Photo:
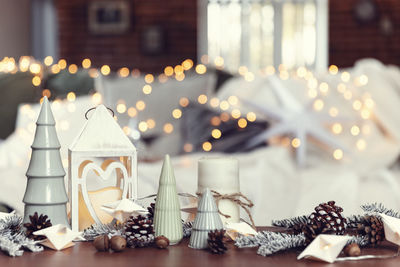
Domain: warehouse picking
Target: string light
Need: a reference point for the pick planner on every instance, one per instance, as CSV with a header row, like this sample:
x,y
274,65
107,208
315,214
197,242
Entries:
x,y
140,105
249,76
86,63
348,95
236,113
132,112
35,68
224,105
301,72
224,116
149,78
151,123
55,69
36,80
46,92
214,102
242,123
338,154
242,70
187,64
205,59
296,142
147,89
71,96
337,128
180,77
24,63
216,133
365,114
93,73
215,121
142,126
121,108
233,100
48,60
361,144
312,93
123,72
207,146
318,104
219,61
188,148
176,113
201,69
96,98
178,69
357,105
168,128
251,116
270,70
169,71
105,70
345,76
183,101
323,87
127,130
333,69
202,99
73,68
62,63
341,88
355,130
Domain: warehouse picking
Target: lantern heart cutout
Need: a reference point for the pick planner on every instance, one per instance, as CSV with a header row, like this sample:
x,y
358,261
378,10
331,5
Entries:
x,y
104,175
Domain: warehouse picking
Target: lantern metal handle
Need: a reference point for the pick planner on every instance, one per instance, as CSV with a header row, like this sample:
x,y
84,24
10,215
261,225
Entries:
x,y
86,117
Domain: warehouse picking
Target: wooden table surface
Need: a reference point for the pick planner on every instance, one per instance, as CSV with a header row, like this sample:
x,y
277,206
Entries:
x,y
84,254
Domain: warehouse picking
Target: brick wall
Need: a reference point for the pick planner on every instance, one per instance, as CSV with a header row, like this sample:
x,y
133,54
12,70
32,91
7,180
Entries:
x,y
349,40
177,17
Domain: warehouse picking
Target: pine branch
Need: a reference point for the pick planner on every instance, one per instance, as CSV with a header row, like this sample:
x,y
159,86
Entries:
x,y
187,229
281,242
354,220
10,247
11,225
379,208
362,241
96,230
289,223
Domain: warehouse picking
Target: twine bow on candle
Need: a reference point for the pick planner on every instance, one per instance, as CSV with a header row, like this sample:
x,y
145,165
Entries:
x,y
235,197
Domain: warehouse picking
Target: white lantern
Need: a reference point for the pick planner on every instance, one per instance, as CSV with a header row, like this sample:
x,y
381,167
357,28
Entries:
x,y
102,169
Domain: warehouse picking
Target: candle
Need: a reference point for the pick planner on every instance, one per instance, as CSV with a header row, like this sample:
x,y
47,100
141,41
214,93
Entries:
x,y
221,175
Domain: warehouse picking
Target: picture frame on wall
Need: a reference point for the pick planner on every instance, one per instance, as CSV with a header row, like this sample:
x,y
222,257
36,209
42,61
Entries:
x,y
108,17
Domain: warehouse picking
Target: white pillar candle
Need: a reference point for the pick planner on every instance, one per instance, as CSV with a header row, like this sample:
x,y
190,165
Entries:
x,y
222,176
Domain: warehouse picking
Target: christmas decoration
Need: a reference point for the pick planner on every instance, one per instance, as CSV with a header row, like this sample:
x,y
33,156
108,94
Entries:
x,y
392,228
167,215
102,243
46,172
295,119
58,237
13,239
37,223
242,228
207,219
96,230
215,241
139,231
122,209
372,227
352,250
380,208
161,242
117,243
187,229
325,248
100,152
150,210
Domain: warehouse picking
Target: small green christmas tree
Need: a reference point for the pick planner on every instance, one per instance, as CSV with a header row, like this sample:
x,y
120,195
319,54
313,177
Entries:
x,y
45,191
167,214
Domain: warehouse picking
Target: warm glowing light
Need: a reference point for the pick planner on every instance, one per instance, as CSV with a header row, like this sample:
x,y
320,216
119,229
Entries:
x,y
93,73
249,76
242,70
135,73
216,133
242,123
284,75
96,98
337,128
318,104
361,144
333,69
177,113
178,69
169,71
202,99
151,123
270,70
236,113
323,87
365,114
180,77
251,116
312,83
207,146
121,108
341,88
333,111
337,154
312,93
357,105
105,70
188,148
35,68
363,79
71,96
127,130
233,100
224,105
205,59
301,72
184,102
201,69
162,78
140,105
219,61
149,78
215,121
214,102
369,103
296,142
168,128
345,76
73,68
48,60
348,95
86,63
36,80
123,72
147,89
187,64
142,126
62,63
355,130
46,92
24,63
224,116
132,112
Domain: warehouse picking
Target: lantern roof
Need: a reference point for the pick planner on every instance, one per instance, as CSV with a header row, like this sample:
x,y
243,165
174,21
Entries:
x,y
102,133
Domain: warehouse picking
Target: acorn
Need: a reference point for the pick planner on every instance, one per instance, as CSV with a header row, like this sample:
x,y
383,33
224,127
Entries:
x,y
352,250
102,243
118,243
161,241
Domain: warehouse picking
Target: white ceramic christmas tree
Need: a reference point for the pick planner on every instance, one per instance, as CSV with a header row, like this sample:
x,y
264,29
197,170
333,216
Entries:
x,y
45,191
167,214
207,219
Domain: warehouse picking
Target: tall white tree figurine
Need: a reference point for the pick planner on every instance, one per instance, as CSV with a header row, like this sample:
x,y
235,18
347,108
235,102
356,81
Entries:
x,y
45,191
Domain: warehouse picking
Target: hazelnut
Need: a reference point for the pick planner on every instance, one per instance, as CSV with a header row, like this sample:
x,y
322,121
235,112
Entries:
x,y
118,243
161,241
352,250
102,243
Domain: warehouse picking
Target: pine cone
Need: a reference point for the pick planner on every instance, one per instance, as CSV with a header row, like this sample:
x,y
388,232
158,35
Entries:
x,y
372,227
37,223
216,241
139,231
327,219
151,210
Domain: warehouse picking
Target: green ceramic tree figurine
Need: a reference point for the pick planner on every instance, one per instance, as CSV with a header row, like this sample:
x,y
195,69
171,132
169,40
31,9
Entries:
x,y
167,214
45,191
